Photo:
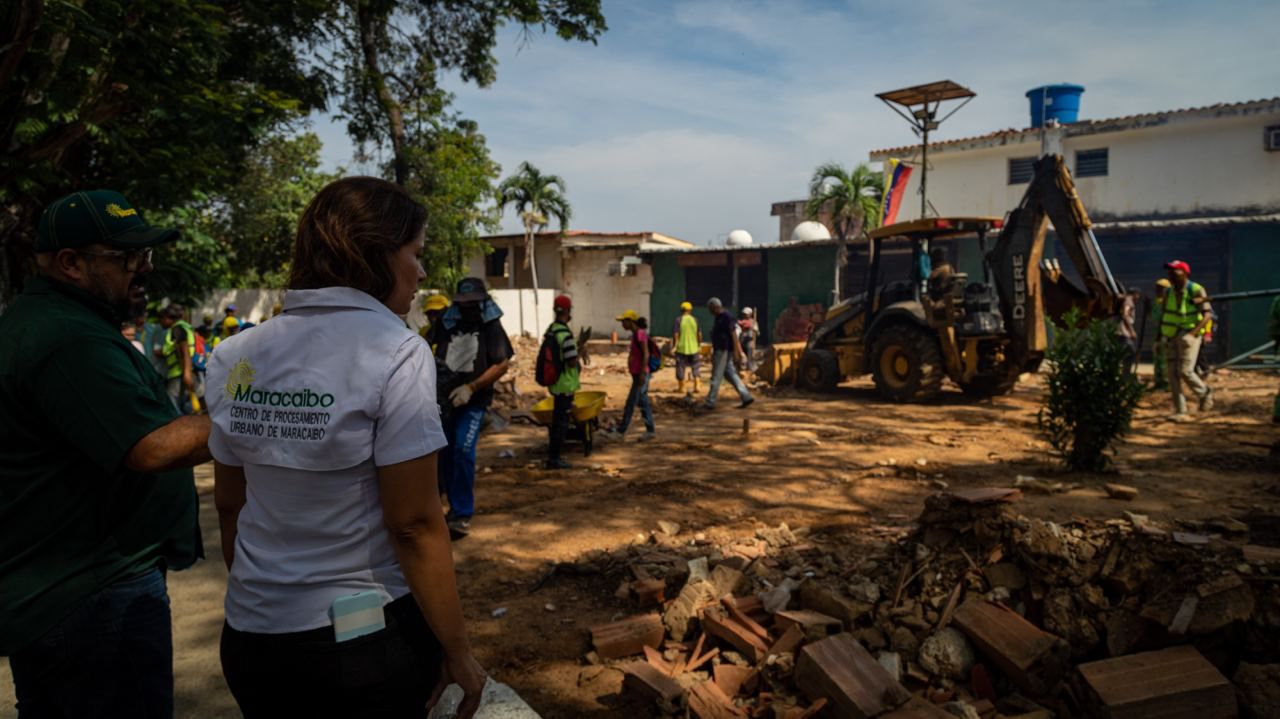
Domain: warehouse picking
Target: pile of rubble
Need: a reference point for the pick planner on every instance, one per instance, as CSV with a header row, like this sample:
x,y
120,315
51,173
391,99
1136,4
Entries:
x,y
976,611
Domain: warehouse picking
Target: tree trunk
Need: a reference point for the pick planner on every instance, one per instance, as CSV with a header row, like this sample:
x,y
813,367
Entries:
x,y
372,26
531,250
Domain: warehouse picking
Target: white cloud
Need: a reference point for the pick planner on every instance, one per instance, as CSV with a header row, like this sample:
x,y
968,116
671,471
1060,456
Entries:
x,y
691,118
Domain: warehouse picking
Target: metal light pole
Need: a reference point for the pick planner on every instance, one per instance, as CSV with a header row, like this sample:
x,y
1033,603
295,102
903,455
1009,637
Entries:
x,y
921,104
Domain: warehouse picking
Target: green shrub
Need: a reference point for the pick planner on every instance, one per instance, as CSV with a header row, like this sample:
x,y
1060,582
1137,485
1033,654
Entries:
x,y
1091,398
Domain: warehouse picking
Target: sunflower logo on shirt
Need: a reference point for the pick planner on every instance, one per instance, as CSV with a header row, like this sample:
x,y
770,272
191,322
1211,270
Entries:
x,y
240,379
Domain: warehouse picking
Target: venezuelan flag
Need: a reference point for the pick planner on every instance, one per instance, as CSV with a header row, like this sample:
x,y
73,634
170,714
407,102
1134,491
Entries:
x,y
895,185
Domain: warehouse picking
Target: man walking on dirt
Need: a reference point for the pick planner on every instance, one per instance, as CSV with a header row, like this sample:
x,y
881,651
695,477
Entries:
x,y
725,348
566,384
688,344
1185,314
475,352
97,498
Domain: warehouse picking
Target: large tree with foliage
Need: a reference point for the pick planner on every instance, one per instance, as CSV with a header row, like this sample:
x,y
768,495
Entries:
x,y
393,51
165,101
256,218
851,198
159,100
393,54
536,198
452,175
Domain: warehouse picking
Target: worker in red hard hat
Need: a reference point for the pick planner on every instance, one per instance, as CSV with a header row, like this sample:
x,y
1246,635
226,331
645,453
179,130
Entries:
x,y
558,370
1184,318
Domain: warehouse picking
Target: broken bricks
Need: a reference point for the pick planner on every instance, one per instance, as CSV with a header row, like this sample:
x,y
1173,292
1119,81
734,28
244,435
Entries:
x,y
840,670
736,635
1170,683
648,682
628,636
1032,658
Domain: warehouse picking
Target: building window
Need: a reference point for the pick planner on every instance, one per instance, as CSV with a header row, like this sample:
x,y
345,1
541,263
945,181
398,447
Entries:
x,y
1021,170
1273,138
1091,163
495,263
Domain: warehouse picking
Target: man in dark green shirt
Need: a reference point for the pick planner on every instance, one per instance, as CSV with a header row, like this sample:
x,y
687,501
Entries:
x,y
97,498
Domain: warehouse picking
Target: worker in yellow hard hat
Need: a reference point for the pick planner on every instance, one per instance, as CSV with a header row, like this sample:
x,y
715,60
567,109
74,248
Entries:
x,y
432,307
687,341
228,327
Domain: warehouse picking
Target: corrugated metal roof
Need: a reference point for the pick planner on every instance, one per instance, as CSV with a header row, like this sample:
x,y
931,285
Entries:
x,y
695,249
587,238
1085,127
1187,222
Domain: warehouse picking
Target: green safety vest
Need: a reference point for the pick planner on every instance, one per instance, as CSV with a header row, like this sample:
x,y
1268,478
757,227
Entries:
x,y
687,344
1179,312
173,365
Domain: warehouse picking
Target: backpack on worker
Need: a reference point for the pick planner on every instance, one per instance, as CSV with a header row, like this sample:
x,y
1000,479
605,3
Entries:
x,y
200,360
550,363
655,356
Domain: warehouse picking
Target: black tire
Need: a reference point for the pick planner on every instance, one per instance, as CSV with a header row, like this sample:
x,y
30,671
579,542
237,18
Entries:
x,y
990,386
819,370
906,364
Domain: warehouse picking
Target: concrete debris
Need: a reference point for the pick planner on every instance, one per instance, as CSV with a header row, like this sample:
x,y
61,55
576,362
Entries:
x,y
947,653
962,710
892,663
773,623
864,590
1258,690
670,529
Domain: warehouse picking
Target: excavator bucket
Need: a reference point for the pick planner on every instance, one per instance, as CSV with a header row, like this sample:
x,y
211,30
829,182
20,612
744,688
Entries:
x,y
781,362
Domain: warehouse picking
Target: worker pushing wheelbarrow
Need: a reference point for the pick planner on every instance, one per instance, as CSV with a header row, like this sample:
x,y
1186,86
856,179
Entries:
x,y
584,418
569,413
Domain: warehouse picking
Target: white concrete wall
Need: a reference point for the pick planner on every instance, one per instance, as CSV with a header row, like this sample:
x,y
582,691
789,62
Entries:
x,y
518,312
251,305
1188,165
549,268
599,298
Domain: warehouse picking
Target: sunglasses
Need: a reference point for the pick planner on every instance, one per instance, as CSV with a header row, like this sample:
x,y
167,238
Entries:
x,y
134,260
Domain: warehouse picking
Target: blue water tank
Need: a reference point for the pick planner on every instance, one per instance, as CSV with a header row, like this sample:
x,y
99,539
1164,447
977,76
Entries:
x,y
1055,102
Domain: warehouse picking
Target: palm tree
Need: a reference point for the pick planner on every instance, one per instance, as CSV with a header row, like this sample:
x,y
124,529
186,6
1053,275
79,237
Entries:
x,y
534,196
853,200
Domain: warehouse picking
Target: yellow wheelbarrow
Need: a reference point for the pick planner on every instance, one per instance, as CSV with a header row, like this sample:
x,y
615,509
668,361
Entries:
x,y
584,419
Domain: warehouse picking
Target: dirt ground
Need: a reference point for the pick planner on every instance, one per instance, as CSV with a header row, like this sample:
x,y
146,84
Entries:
x,y
838,465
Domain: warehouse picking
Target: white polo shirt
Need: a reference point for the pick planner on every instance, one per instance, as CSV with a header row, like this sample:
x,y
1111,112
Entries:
x,y
310,403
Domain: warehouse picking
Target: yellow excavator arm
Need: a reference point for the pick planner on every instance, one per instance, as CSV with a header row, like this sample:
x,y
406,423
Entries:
x,y
1030,287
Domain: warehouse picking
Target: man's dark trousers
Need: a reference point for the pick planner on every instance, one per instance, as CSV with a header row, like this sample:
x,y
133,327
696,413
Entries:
x,y
112,656
560,423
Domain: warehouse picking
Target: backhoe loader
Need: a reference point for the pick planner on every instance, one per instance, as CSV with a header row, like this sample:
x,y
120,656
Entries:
x,y
911,332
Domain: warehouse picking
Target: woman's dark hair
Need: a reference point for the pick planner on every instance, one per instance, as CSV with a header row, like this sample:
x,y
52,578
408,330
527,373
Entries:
x,y
348,233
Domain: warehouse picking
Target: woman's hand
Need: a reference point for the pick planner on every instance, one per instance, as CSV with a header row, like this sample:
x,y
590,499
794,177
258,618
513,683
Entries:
x,y
467,673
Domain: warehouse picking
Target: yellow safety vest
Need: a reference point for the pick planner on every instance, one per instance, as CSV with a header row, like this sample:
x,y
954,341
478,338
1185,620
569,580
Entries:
x,y
1180,313
173,365
687,343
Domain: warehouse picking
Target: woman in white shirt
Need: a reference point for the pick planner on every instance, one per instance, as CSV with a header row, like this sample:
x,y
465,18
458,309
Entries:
x,y
341,598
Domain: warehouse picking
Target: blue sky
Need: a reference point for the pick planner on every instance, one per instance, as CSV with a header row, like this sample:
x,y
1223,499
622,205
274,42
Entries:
x,y
691,118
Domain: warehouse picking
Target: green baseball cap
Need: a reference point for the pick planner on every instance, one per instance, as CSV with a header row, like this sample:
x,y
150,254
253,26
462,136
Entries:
x,y
92,216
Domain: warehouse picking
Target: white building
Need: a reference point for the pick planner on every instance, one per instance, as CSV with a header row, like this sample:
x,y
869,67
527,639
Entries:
x,y
600,271
1202,162
1199,184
